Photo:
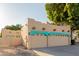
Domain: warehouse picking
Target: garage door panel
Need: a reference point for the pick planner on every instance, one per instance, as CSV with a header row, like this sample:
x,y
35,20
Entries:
x,y
57,41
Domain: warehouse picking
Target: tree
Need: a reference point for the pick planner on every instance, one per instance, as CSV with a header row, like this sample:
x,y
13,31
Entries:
x,y
7,27
14,27
0,34
18,26
65,13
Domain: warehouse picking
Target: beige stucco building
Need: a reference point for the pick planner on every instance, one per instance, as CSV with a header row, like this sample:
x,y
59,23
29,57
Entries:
x,y
35,34
39,40
10,38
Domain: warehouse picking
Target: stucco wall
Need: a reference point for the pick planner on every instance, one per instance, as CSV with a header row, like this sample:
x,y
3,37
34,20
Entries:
x,y
4,43
57,41
24,34
39,25
11,38
9,43
6,33
37,41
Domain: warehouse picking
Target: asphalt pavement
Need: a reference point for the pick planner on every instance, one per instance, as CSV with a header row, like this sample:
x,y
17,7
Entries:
x,y
69,50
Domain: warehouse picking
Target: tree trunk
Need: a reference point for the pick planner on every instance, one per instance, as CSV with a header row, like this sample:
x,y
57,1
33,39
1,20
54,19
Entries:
x,y
71,33
72,40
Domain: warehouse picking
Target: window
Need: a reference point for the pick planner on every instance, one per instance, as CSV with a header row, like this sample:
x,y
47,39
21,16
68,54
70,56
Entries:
x,y
9,31
54,29
33,28
62,30
68,31
18,36
58,24
43,28
37,34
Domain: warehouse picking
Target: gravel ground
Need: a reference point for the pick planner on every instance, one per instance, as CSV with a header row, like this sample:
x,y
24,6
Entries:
x,y
19,51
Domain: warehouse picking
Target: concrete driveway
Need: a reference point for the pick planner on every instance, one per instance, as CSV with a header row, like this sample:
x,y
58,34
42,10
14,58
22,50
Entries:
x,y
19,51
58,51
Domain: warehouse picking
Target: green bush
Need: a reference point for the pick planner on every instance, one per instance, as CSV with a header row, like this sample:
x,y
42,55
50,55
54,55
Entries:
x,y
14,27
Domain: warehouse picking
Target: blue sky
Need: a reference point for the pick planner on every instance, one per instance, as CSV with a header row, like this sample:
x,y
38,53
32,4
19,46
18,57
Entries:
x,y
18,13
